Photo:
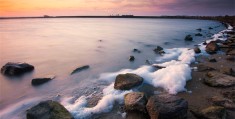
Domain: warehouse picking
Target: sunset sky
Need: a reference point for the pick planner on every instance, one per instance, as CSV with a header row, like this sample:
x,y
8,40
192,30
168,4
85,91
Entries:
x,y
10,8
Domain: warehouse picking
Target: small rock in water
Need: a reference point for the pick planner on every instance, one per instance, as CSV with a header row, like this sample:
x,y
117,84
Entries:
x,y
80,69
39,81
188,38
210,28
212,47
159,50
16,69
198,34
48,110
197,50
131,58
204,43
127,81
136,50
199,29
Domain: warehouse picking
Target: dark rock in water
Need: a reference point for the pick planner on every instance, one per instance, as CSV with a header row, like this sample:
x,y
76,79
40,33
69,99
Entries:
x,y
198,34
39,81
127,81
199,29
165,106
80,69
131,58
16,69
217,79
204,43
223,102
159,50
135,101
210,28
48,110
148,62
212,112
136,50
197,50
158,67
212,60
188,38
212,47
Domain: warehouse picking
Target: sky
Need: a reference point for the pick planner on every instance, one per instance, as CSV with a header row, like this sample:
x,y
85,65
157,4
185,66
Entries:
x,y
13,8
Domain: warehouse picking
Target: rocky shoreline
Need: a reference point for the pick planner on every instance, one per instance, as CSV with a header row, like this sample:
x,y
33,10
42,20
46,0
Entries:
x,y
210,95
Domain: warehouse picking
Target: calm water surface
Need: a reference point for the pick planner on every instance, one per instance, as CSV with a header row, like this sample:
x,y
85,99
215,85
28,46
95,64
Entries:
x,y
58,46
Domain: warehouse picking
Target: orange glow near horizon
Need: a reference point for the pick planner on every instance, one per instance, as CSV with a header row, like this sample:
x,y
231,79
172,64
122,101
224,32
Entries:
x,y
10,8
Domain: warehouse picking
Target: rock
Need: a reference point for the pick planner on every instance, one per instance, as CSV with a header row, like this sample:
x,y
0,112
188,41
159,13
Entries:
x,y
135,101
39,81
131,58
199,29
212,60
226,70
188,38
198,34
204,43
212,112
48,110
230,58
157,66
229,94
217,79
127,81
159,50
136,50
212,47
223,102
79,69
210,28
165,106
197,50
202,68
16,69
231,52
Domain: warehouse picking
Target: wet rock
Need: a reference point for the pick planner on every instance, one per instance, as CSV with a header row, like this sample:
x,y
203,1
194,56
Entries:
x,y
202,68
229,94
212,60
79,69
158,67
135,101
159,50
131,58
165,106
210,28
230,58
48,110
212,47
136,50
16,69
226,70
198,34
199,29
223,102
188,38
204,43
217,79
39,81
197,50
212,112
127,81
231,52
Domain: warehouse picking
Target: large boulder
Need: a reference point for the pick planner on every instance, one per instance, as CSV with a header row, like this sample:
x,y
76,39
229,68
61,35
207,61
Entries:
x,y
212,47
16,69
217,79
212,112
135,101
165,106
127,81
48,110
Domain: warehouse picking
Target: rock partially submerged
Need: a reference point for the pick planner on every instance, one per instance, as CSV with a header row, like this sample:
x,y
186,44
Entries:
x,y
165,106
198,34
40,81
212,112
135,101
188,38
217,79
212,47
131,58
159,50
16,69
136,50
48,110
199,29
127,81
197,50
79,69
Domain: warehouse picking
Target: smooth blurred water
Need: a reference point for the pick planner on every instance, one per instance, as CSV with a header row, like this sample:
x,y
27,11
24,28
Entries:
x,y
58,46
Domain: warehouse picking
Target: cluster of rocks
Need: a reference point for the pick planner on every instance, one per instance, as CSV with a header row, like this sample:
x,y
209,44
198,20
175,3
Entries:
x,y
161,106
159,50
